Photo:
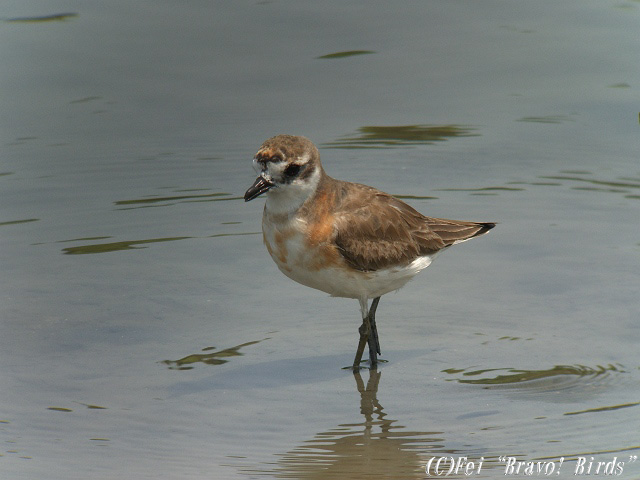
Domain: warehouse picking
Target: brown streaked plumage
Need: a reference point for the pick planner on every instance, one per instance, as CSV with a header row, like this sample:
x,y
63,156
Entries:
x,y
346,239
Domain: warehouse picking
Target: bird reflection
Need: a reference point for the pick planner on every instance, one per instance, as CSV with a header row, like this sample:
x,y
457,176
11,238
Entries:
x,y
377,447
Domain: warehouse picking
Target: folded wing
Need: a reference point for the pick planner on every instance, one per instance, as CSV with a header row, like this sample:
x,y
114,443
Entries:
x,y
374,230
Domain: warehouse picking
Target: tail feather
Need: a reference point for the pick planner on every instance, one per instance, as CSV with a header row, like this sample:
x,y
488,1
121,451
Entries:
x,y
452,231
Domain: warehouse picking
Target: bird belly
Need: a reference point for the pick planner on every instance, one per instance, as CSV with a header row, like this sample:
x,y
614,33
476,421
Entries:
x,y
321,267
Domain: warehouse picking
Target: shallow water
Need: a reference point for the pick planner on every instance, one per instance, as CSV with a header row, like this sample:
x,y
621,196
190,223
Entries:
x,y
145,332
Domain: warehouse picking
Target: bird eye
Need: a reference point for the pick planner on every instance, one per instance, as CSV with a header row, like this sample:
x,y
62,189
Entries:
x,y
292,170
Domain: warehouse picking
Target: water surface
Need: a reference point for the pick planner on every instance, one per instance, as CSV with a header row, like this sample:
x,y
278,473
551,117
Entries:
x,y
145,333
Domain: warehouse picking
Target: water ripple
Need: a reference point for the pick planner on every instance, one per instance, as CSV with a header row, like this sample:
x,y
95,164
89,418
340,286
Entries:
x,y
568,379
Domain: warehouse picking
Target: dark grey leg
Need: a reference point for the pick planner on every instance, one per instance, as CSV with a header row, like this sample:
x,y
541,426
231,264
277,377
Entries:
x,y
364,330
374,343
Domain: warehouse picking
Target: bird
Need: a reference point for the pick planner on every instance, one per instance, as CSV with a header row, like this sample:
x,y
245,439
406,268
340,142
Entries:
x,y
346,239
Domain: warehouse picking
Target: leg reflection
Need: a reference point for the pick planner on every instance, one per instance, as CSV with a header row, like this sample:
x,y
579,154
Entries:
x,y
369,405
369,444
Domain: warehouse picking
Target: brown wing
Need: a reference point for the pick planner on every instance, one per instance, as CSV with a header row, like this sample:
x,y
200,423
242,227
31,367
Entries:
x,y
375,230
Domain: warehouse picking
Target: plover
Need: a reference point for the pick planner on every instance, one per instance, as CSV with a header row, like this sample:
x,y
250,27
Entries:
x,y
345,239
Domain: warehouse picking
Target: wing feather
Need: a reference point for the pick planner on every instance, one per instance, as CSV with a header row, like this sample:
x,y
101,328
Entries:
x,y
374,230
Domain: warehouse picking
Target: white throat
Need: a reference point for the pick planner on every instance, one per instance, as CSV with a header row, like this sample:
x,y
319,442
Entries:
x,y
288,198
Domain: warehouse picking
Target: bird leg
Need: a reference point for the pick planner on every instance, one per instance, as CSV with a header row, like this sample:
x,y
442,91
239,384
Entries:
x,y
368,334
364,330
374,343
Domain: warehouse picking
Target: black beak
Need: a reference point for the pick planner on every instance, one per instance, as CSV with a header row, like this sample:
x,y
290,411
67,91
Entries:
x,y
260,186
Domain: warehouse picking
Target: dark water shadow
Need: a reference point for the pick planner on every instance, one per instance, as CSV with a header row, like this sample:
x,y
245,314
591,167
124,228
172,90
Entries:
x,y
17,222
481,190
57,17
133,244
607,408
402,135
115,246
157,201
345,54
552,119
219,357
